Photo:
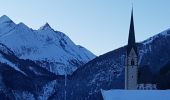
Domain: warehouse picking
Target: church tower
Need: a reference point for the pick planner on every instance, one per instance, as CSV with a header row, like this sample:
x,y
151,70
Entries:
x,y
131,66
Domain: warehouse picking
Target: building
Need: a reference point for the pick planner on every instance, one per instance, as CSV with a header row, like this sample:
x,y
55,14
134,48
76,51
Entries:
x,y
131,64
134,90
146,87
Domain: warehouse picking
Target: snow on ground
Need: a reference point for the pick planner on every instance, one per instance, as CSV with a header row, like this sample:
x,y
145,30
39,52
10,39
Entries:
x,y
136,94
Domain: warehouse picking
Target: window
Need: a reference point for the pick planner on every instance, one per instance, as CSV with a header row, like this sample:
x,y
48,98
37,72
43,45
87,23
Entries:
x,y
132,62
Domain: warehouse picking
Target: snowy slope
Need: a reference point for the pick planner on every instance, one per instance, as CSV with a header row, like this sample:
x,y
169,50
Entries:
x,y
15,72
6,25
46,46
4,60
154,52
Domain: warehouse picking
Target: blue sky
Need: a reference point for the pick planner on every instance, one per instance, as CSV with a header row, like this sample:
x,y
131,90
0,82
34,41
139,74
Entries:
x,y
98,25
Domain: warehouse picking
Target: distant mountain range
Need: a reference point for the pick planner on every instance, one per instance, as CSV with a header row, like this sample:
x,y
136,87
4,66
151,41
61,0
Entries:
x,y
51,49
33,64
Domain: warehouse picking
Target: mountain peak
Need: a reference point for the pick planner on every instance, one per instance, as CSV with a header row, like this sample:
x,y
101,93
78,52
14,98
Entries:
x,y
4,19
21,24
45,26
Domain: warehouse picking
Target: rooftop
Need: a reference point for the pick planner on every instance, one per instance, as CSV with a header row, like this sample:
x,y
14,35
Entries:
x,y
136,94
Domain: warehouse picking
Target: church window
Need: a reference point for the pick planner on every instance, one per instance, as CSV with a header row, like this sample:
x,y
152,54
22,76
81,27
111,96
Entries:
x,y
132,62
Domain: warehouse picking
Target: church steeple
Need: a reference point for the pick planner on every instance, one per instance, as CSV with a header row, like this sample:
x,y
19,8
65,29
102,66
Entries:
x,y
131,69
131,39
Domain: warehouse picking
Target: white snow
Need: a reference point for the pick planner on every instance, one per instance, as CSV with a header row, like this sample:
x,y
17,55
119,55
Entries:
x,y
2,60
34,70
165,32
146,44
136,94
44,44
6,25
4,19
150,40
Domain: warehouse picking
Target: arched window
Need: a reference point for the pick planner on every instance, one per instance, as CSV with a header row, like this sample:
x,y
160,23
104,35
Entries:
x,y
132,62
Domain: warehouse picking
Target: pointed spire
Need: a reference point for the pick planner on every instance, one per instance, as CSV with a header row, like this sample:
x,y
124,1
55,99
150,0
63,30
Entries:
x,y
131,40
131,31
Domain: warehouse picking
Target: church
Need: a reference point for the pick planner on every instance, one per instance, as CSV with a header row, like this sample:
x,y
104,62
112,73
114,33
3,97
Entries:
x,y
133,89
132,65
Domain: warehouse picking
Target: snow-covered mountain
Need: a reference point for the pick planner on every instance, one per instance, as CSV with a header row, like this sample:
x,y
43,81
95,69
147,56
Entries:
x,y
51,49
107,71
29,56
23,79
6,25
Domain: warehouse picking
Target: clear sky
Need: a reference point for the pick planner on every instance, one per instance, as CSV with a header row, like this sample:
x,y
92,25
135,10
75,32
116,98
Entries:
x,y
98,25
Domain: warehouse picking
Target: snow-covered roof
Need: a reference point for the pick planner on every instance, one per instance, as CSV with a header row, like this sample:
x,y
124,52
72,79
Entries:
x,y
136,94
